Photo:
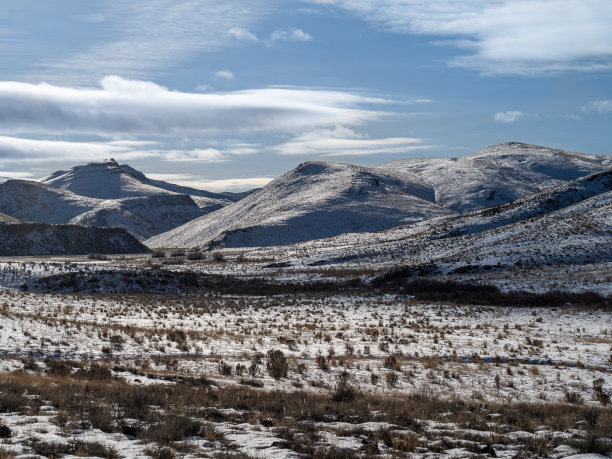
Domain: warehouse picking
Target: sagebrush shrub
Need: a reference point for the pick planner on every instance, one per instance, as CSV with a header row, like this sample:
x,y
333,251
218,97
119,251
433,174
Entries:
x,y
277,364
344,391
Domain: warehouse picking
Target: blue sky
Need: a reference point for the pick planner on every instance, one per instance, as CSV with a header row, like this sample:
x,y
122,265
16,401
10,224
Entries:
x,y
226,95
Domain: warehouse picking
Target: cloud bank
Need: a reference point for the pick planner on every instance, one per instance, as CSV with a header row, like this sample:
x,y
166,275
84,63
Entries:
x,y
523,37
121,108
18,150
235,184
343,141
140,37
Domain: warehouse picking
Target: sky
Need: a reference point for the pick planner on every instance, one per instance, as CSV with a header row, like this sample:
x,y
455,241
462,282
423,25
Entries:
x,y
227,95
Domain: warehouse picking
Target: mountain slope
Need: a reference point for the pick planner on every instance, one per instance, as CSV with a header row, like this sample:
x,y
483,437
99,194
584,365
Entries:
x,y
143,216
7,219
206,200
33,201
101,180
109,180
314,200
20,239
568,223
498,174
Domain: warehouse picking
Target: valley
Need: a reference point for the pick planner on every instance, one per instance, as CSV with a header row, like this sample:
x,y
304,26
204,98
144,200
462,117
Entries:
x,y
339,311
359,370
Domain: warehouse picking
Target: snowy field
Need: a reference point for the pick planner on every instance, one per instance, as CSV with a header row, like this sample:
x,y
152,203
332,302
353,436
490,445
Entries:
x,y
297,374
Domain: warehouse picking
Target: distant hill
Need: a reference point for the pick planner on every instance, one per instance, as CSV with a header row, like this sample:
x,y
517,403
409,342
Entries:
x,y
568,223
7,219
498,174
21,239
28,200
314,200
101,180
106,194
144,216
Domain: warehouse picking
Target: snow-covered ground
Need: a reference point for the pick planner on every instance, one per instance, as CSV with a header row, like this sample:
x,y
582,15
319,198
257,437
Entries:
x,y
539,353
447,352
387,345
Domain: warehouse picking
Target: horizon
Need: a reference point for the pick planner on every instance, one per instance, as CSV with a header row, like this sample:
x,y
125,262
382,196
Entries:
x,y
219,186
209,94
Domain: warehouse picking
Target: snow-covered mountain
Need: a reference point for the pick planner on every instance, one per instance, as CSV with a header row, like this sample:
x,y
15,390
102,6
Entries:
x,y
511,183
32,201
568,223
101,180
206,200
44,239
313,201
498,174
143,216
109,180
105,194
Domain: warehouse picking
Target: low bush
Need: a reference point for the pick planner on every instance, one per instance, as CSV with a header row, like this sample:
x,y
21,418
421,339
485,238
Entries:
x,y
195,256
5,431
344,391
322,362
277,364
391,378
225,369
97,256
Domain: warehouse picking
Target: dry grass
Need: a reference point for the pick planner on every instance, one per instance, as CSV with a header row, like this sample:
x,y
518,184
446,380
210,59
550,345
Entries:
x,y
182,409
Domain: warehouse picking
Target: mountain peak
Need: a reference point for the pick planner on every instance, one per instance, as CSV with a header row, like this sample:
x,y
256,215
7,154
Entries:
x,y
499,173
316,167
516,148
314,200
104,179
109,163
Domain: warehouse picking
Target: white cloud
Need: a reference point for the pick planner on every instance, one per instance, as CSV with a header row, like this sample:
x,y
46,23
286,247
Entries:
x,y
131,143
18,150
504,36
509,116
121,108
141,37
235,184
208,155
600,106
289,35
224,75
193,181
243,34
342,141
232,184
16,175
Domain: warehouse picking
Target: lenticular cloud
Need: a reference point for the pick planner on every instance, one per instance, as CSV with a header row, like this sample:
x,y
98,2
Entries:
x,y
121,106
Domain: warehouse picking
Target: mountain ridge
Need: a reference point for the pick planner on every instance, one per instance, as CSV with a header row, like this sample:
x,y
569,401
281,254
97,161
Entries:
x,y
571,222
313,200
499,173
